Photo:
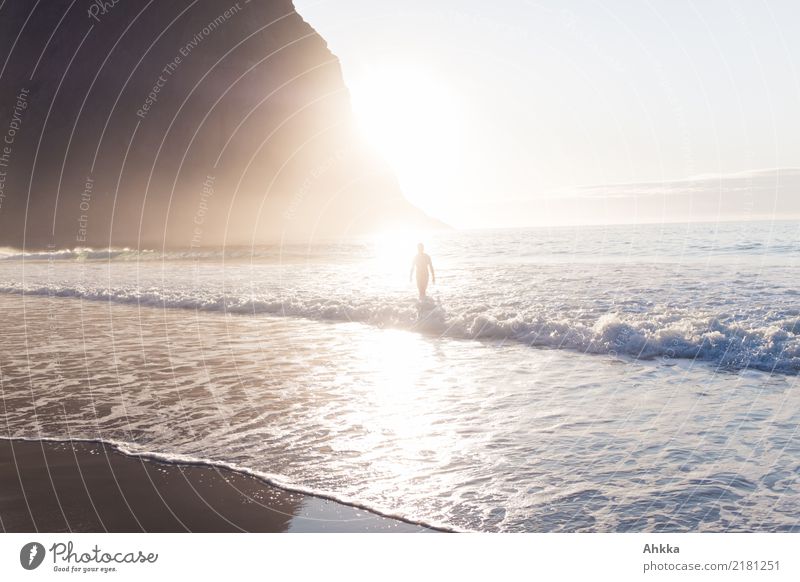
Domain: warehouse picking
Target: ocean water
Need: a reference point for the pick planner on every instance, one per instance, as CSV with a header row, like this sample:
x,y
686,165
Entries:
x,y
574,379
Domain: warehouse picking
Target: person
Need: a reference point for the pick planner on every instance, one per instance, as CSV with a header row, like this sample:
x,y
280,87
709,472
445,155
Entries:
x,y
422,263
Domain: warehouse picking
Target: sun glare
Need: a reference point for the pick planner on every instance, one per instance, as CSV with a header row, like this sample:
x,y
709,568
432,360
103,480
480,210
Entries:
x,y
394,250
412,119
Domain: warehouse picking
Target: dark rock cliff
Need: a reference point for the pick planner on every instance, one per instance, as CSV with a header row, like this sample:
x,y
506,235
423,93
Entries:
x,y
179,123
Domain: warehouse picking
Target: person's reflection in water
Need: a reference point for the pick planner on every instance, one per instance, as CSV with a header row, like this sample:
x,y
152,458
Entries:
x,y
422,264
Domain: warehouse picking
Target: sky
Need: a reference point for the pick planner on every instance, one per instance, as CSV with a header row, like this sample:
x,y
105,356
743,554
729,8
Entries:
x,y
522,113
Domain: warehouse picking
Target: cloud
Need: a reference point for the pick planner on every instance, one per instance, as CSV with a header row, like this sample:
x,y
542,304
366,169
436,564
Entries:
x,y
770,194
777,182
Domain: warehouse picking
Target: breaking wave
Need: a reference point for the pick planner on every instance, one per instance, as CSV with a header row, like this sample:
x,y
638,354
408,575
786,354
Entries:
x,y
262,252
76,254
720,339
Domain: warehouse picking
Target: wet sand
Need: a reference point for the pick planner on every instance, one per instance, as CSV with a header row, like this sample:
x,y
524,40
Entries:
x,y
86,487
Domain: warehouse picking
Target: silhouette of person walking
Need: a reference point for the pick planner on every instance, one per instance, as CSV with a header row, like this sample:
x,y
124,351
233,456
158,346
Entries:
x,y
422,263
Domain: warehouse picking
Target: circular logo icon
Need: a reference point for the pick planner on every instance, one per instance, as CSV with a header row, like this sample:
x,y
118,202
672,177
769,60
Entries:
x,y
31,555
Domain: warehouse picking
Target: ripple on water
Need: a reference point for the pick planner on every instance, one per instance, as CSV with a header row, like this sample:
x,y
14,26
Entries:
x,y
477,436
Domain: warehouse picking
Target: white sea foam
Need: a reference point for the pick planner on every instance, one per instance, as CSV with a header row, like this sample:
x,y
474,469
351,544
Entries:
x,y
727,341
484,435
134,450
74,254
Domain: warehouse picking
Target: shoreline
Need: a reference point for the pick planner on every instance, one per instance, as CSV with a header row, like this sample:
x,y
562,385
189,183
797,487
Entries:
x,y
80,486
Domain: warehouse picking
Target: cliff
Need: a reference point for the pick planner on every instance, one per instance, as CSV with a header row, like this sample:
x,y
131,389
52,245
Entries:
x,y
181,123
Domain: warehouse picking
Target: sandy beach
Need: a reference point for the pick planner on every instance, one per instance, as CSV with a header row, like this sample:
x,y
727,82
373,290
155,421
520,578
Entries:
x,y
86,487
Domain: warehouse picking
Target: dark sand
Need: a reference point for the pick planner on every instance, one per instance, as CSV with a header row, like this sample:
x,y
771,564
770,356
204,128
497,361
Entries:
x,y
87,487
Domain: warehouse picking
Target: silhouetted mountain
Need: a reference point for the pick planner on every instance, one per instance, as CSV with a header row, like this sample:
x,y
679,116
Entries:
x,y
179,123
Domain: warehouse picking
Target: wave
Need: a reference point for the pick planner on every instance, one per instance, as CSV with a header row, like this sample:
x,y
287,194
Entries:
x,y
233,253
728,342
76,254
278,481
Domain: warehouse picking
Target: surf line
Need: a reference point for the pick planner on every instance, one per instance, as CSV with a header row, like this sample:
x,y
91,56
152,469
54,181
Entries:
x,y
179,460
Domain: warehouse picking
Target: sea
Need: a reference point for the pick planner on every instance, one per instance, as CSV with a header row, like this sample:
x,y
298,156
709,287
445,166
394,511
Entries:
x,y
603,378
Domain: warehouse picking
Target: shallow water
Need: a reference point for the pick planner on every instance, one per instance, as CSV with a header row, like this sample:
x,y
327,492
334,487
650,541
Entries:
x,y
673,407
725,294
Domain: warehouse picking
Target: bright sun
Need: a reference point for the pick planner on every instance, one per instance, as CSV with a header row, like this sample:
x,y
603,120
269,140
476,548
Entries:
x,y
412,118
